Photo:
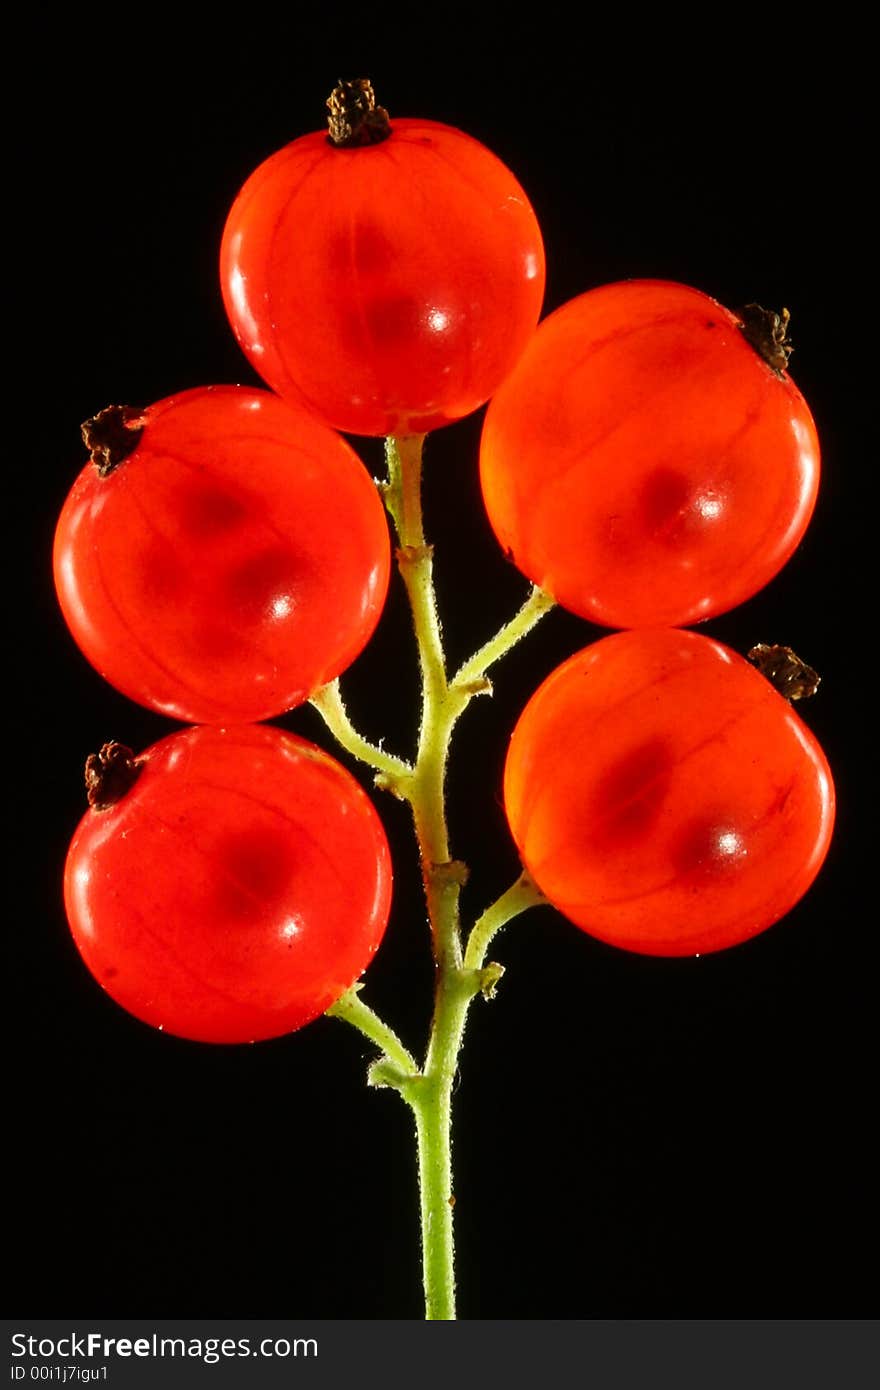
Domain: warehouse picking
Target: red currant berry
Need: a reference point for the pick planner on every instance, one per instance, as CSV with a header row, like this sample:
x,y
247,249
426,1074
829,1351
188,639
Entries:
x,y
237,883
644,462
391,285
664,797
234,561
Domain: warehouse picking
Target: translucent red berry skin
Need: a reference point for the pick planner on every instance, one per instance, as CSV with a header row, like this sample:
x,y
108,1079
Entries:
x,y
236,560
643,463
237,889
664,797
391,286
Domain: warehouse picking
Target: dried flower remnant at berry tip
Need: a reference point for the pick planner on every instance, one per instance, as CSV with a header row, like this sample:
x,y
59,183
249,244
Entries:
x,y
768,334
109,775
785,671
354,118
111,435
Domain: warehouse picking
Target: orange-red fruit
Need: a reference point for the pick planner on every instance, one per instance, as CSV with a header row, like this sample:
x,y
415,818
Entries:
x,y
236,890
664,797
234,562
390,286
643,463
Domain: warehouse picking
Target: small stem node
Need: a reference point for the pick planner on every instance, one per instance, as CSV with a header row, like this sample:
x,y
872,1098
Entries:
x,y
397,786
384,1075
452,873
489,976
480,685
413,554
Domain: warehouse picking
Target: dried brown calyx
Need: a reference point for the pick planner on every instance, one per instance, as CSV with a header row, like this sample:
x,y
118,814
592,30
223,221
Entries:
x,y
768,334
785,671
111,435
110,774
354,118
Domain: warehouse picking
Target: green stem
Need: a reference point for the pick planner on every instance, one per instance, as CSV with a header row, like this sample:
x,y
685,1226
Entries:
x,y
432,1104
459,976
536,605
415,559
328,702
519,897
442,877
353,1010
433,1137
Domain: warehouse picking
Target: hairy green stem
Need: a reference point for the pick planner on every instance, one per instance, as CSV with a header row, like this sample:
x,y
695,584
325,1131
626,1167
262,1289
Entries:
x,y
328,702
440,707
460,974
536,605
519,897
351,1008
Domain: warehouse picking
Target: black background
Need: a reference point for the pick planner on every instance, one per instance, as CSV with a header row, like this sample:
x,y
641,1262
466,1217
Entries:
x,y
633,1137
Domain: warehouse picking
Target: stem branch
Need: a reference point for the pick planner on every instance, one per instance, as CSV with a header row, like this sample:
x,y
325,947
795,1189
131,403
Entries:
x,y
353,1010
536,605
518,898
328,702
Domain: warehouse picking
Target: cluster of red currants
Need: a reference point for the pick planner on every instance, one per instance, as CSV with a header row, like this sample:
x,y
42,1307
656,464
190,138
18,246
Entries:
x,y
646,460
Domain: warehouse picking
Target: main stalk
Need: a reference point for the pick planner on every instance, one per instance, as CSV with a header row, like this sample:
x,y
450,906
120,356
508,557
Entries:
x,y
431,1094
459,974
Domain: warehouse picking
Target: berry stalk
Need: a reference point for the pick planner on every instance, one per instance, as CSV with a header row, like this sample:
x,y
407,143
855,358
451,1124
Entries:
x,y
461,971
